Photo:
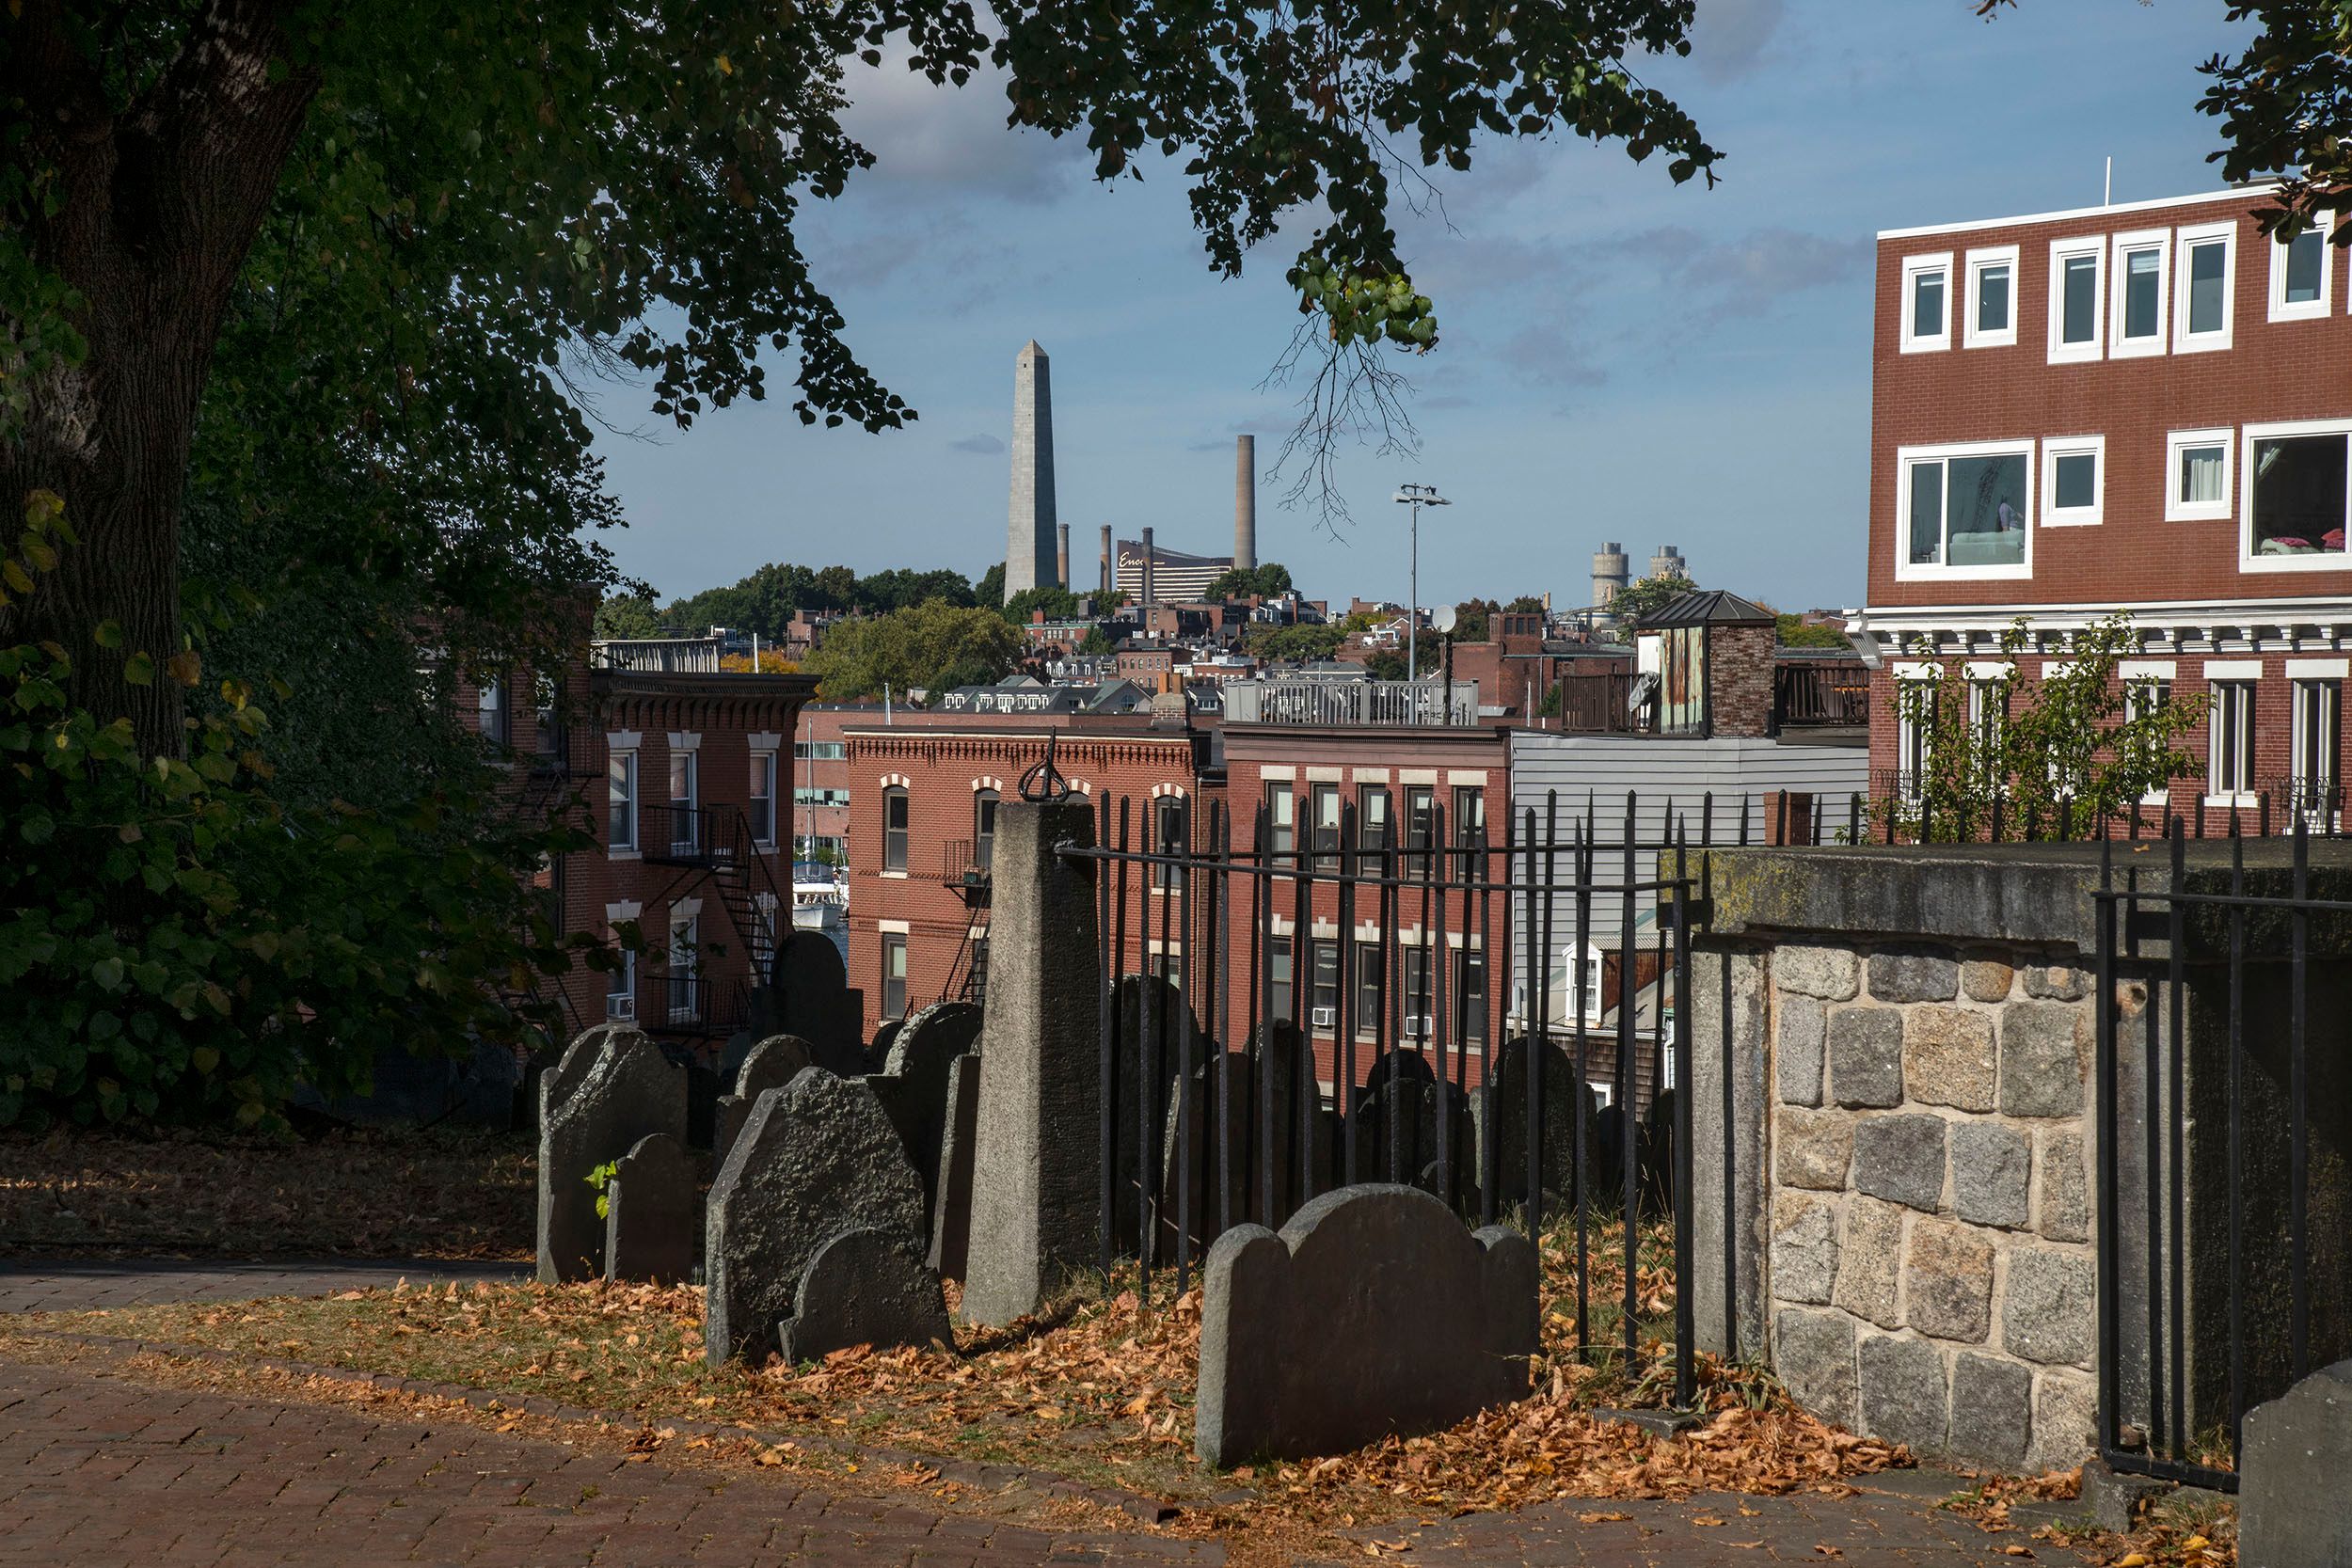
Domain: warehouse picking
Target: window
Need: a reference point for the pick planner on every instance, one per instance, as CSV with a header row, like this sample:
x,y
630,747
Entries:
x,y
1323,967
1421,811
2318,710
2296,500
2142,262
894,975
1375,829
1277,977
2230,758
1281,816
1991,298
1927,302
685,966
2197,463
895,828
620,988
1469,829
1914,730
820,750
2073,481
547,727
1469,995
984,829
764,798
1988,716
1962,511
1167,838
496,725
685,821
2142,696
1419,1000
1324,801
804,795
620,774
2077,299
2301,271
1369,1001
2206,284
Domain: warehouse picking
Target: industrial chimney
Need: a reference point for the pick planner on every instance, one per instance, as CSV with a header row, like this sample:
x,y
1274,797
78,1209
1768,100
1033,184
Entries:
x,y
1147,575
1611,571
1668,562
1107,581
1061,558
1246,502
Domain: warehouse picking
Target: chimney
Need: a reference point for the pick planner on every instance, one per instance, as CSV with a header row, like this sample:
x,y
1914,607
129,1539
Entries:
x,y
1147,569
1668,562
1061,558
1107,583
1246,502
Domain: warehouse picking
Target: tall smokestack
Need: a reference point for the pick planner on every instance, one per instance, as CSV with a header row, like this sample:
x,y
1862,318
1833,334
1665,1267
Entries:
x,y
1246,502
1611,571
1029,526
1062,559
1147,572
1107,583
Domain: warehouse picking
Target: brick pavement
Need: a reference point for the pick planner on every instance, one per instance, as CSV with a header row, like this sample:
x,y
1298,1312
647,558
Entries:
x,y
87,1285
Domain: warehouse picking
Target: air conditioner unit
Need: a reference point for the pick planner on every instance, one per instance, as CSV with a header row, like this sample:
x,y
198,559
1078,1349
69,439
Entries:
x,y
620,1006
1325,1018
1417,1026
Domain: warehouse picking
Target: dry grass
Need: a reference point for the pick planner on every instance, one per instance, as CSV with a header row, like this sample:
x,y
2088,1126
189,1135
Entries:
x,y
447,1195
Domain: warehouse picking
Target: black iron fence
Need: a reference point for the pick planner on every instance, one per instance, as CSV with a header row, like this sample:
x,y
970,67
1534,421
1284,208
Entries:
x,y
2224,1138
1499,1019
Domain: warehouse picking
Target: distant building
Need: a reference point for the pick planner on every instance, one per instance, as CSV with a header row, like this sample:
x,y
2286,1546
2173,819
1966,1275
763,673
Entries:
x,y
1176,577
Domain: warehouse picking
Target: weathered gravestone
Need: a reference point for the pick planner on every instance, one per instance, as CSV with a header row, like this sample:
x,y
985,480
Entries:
x,y
1326,1337
769,1065
1409,1128
1206,1154
884,1037
1504,1129
814,1001
912,1085
1036,1173
865,1287
612,1087
2295,1495
952,1213
816,1158
1149,1015
649,1224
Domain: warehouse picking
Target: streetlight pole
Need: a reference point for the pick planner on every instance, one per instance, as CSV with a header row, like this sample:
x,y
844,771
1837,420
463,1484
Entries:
x,y
1416,497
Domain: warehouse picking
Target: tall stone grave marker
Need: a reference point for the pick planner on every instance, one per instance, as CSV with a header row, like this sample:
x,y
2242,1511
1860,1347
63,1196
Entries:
x,y
769,1065
612,1087
1037,1175
951,1211
649,1224
815,1001
912,1085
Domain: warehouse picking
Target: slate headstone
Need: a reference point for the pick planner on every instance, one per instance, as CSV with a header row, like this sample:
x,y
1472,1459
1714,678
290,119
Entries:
x,y
815,1001
951,1214
912,1085
1211,1117
1317,1341
818,1156
865,1287
1288,1138
1562,1135
650,1233
769,1065
610,1087
1398,1137
2291,1504
884,1037
1149,1015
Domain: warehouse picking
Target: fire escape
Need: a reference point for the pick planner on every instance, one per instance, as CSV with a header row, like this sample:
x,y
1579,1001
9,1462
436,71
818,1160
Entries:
x,y
714,847
964,868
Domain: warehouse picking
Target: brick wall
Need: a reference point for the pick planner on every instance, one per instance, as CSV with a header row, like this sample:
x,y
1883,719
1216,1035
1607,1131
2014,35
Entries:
x,y
1739,675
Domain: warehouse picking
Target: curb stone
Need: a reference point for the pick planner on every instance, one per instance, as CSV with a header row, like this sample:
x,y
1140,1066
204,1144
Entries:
x,y
973,1473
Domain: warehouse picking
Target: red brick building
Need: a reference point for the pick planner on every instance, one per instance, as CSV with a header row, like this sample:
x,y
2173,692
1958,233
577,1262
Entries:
x,y
924,790
2144,406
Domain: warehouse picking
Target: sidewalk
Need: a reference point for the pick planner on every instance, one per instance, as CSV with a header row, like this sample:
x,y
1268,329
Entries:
x,y
89,1284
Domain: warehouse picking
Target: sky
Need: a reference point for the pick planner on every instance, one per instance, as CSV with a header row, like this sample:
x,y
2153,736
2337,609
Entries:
x,y
1622,358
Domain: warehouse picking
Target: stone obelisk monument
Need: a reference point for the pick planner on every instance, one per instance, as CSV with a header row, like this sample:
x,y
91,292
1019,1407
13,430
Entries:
x,y
1031,531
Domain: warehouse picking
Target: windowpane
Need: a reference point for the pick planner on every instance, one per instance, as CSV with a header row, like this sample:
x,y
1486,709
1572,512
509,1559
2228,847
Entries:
x,y
1372,833
763,797
894,977
1369,1018
1985,502
2201,473
1278,969
893,830
2142,295
1326,971
984,829
1926,512
1470,981
2077,481
2207,305
1282,819
1327,827
1927,305
2307,255
621,788
2081,283
1993,298
2298,495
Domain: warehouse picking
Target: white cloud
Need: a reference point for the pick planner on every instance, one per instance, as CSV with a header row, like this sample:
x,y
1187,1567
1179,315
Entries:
x,y
947,138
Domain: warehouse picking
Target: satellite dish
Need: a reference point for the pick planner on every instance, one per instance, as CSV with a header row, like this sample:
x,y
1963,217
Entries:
x,y
1445,618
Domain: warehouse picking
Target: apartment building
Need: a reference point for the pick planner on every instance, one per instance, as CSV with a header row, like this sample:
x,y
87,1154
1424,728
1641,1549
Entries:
x,y
2143,406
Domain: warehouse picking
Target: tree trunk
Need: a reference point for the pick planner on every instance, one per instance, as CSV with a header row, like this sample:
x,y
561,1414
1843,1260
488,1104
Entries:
x,y
157,206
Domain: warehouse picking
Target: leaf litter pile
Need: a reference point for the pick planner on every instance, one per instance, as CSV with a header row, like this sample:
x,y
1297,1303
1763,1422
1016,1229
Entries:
x,y
1098,1388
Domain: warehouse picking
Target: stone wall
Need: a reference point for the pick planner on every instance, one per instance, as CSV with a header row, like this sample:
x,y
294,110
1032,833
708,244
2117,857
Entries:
x,y
1929,1276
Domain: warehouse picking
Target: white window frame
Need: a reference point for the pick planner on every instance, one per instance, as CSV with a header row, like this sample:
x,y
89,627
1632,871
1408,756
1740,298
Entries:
x,y
685,963
2314,698
2061,351
2094,446
622,783
2323,560
766,758
1914,743
2180,441
2190,237
2160,242
1906,570
620,1000
1974,335
2317,309
2143,679
1914,268
2239,737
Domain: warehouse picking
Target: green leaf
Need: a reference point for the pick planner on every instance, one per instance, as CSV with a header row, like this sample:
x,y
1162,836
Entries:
x,y
107,972
139,670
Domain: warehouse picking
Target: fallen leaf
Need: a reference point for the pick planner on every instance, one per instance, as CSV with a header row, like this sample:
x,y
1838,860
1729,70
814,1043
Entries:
x,y
1599,1518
